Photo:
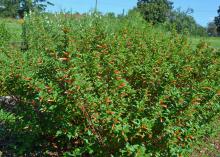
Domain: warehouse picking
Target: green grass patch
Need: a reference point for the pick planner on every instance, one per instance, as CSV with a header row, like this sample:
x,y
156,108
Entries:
x,y
14,27
212,41
208,145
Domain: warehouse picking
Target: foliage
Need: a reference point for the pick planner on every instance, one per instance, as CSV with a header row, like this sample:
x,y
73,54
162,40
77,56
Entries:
x,y
103,86
208,145
6,121
9,8
160,11
182,21
32,5
155,11
4,37
13,8
212,29
217,21
200,31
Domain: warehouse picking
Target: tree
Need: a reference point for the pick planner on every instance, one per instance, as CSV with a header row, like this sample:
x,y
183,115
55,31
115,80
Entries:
x,y
200,31
183,21
217,21
111,14
32,5
9,8
155,11
212,29
13,8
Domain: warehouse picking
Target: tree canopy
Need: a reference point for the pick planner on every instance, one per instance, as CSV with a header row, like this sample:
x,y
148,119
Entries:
x,y
13,8
9,8
183,21
155,11
212,29
217,21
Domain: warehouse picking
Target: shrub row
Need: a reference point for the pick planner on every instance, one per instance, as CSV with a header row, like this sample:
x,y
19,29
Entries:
x,y
101,86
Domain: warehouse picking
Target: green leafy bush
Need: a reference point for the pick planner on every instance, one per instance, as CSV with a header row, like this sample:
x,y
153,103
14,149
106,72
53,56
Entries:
x,y
100,86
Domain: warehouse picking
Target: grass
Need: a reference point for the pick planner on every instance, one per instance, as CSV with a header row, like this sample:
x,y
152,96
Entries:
x,y
14,26
209,145
213,41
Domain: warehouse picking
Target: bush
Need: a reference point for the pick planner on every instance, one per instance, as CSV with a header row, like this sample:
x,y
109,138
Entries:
x,y
100,86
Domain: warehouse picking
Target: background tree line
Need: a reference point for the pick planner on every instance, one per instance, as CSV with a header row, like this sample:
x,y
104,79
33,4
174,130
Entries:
x,y
161,11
